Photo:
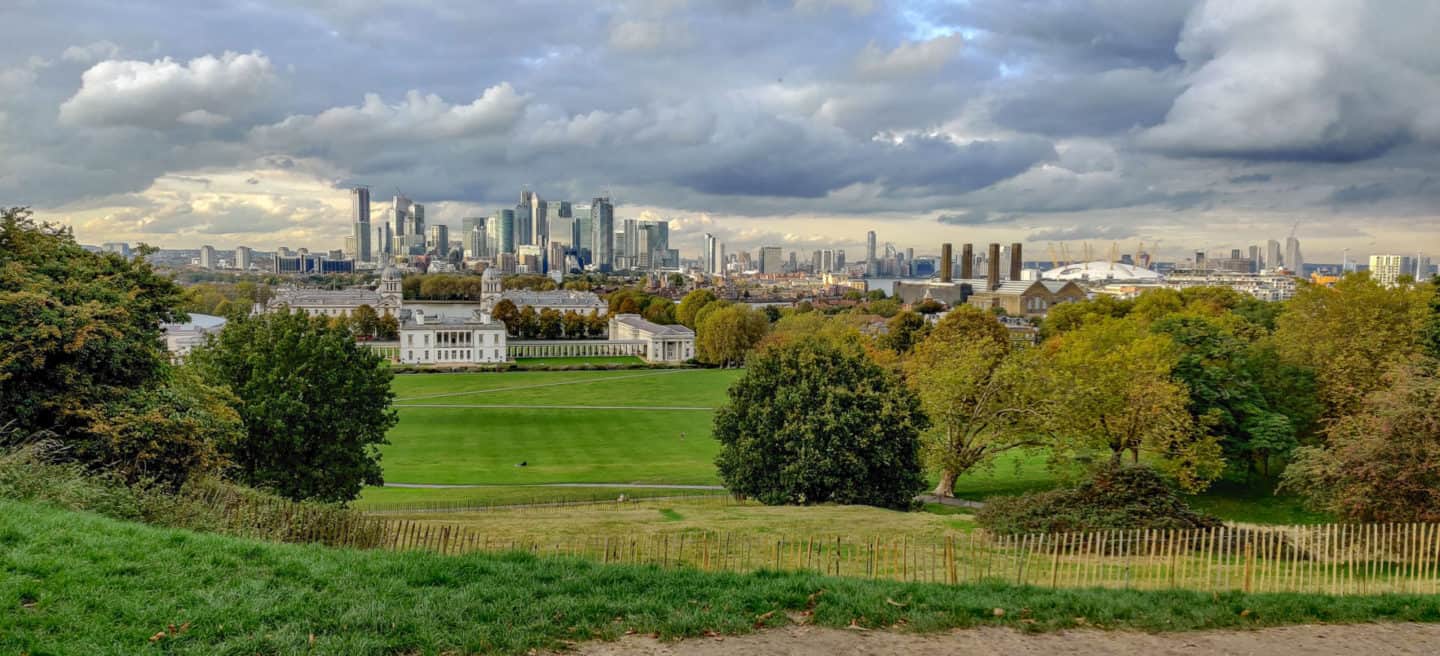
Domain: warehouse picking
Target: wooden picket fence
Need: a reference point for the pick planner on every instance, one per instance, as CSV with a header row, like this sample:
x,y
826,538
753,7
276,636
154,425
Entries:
x,y
1335,559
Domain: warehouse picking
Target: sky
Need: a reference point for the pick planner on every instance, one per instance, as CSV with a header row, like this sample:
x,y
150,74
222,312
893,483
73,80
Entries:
x,y
1185,125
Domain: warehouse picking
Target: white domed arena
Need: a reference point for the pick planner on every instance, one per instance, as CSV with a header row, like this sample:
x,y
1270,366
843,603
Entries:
x,y
1101,271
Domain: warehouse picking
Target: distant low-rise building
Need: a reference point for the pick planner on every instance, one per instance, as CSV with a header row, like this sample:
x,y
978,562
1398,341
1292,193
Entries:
x,y
429,339
662,343
181,338
387,299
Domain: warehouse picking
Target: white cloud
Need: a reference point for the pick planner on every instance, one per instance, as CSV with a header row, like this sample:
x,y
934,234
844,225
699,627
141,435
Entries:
x,y
857,7
158,94
908,59
648,35
1304,79
92,52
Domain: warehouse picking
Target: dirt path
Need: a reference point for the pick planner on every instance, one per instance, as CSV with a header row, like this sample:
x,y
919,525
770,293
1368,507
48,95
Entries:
x,y
1310,640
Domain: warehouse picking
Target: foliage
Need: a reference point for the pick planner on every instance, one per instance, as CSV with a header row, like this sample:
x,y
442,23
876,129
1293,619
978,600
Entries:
x,y
1116,497
1348,334
690,306
224,298
443,287
528,324
633,300
1111,381
550,324
365,321
929,306
505,312
1381,463
970,323
315,405
530,281
815,420
726,335
1430,329
904,330
1226,398
81,358
1066,317
981,401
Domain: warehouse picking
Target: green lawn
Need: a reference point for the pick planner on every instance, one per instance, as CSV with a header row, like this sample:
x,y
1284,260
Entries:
x,y
599,360
385,498
587,444
73,583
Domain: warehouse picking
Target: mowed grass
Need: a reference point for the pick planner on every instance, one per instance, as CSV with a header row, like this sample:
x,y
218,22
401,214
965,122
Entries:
x,y
79,584
715,514
568,430
392,498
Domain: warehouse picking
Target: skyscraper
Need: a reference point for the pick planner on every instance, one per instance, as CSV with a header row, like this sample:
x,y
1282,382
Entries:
x,y
1272,254
1388,269
712,255
439,239
1294,259
872,265
827,261
243,258
207,257
504,233
360,215
770,261
524,228
475,240
602,219
629,248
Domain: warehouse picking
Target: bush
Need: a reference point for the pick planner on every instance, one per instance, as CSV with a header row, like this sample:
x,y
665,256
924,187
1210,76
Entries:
x,y
1116,497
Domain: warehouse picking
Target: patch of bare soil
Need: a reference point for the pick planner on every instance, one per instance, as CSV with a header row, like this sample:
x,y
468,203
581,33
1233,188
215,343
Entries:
x,y
1308,640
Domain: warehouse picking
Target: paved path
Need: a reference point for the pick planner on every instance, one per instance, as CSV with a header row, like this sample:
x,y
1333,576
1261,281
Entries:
x,y
554,407
644,486
1304,640
583,381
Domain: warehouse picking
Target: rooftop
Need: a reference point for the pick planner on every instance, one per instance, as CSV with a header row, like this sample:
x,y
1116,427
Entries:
x,y
640,323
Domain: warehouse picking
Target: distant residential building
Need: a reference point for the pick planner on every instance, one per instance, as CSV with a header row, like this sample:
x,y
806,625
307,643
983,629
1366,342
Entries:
x,y
662,343
714,262
387,299
1388,269
1272,255
1294,259
477,339
244,258
207,257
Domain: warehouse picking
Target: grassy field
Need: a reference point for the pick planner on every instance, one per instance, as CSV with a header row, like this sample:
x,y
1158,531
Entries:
x,y
566,427
597,360
79,584
625,427
387,498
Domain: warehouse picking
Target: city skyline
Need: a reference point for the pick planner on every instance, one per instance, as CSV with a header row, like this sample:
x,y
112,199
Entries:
x,y
1205,124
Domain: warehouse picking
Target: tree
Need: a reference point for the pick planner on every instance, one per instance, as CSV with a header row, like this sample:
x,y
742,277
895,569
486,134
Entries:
x,y
505,312
929,306
1430,328
1381,463
550,324
81,358
315,404
814,420
574,324
966,323
1111,384
529,323
596,325
691,304
727,335
365,321
981,401
1349,333
903,331
387,328
875,295
659,309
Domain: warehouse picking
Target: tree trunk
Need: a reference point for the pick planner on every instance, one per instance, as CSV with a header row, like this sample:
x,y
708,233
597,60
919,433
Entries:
x,y
946,488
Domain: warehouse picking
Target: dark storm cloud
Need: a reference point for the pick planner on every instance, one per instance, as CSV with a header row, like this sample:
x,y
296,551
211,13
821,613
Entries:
x,y
766,108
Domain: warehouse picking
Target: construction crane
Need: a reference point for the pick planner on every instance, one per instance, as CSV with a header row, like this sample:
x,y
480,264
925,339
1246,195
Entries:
x,y
1054,256
1114,252
1140,254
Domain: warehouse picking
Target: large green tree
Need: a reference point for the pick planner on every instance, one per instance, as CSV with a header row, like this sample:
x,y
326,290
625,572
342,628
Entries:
x,y
726,335
82,361
314,403
1113,392
815,420
982,401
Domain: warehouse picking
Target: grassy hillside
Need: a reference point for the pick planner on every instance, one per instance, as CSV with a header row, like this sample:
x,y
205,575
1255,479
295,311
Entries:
x,y
79,584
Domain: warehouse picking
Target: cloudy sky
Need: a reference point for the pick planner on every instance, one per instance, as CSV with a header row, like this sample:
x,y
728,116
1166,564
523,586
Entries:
x,y
1184,124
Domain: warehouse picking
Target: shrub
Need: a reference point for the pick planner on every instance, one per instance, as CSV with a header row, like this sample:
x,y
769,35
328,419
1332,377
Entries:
x,y
1116,497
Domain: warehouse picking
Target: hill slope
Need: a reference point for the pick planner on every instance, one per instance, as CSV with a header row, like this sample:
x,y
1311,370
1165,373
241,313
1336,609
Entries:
x,y
81,584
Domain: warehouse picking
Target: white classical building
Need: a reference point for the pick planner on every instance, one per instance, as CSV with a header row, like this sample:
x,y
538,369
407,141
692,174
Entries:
x,y
492,291
452,340
181,338
386,300
661,343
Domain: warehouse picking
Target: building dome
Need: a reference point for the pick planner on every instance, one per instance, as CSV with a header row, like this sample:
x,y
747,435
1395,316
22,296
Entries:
x,y
491,273
390,273
1101,270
